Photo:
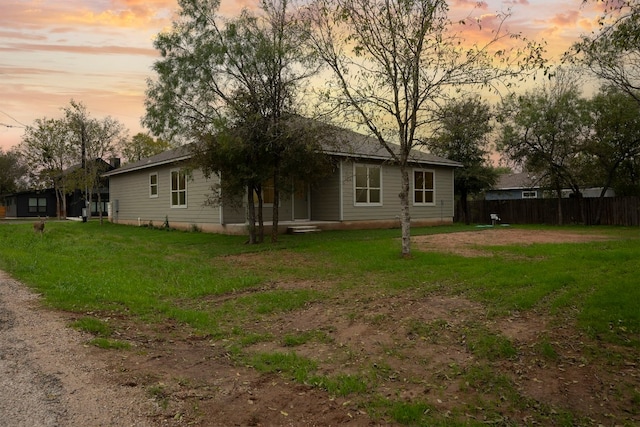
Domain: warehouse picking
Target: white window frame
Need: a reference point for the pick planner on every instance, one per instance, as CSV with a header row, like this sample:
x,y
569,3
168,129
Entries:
x,y
368,187
156,186
423,189
529,194
173,191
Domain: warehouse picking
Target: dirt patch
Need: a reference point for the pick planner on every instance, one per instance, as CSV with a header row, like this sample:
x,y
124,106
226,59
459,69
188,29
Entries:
x,y
405,347
470,243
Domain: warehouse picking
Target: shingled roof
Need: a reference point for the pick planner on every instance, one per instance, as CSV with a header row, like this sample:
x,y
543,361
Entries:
x,y
517,181
339,143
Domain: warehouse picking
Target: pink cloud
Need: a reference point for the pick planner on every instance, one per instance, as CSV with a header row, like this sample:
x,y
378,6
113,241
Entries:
x,y
76,49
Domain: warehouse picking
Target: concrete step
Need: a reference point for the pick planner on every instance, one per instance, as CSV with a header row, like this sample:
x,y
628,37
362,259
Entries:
x,y
301,229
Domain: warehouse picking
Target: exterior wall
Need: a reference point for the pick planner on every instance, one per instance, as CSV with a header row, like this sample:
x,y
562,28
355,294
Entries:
x,y
18,205
331,201
441,210
237,215
131,202
325,198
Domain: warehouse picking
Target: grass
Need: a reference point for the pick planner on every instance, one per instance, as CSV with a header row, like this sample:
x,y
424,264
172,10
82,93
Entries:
x,y
220,287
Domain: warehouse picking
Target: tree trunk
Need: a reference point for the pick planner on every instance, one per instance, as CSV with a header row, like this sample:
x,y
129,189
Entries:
x,y
251,216
559,199
276,208
260,215
405,215
465,205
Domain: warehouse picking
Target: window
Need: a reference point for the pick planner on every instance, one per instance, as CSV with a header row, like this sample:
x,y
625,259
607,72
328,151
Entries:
x,y
529,194
368,185
153,185
178,189
423,187
268,193
38,205
95,206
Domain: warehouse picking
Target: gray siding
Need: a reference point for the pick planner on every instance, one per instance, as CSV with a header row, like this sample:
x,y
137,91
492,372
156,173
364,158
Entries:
x,y
237,215
325,198
129,194
443,209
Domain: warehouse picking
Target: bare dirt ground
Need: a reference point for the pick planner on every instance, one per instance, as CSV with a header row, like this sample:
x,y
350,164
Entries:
x,y
171,377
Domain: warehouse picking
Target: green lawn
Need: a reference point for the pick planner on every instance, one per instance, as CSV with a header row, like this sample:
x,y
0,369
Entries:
x,y
154,275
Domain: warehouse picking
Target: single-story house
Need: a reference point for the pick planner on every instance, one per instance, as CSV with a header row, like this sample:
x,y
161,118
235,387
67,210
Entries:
x,y
525,185
361,192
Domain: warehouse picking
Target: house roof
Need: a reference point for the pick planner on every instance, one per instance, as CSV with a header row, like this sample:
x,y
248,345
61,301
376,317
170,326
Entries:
x,y
344,143
517,181
167,157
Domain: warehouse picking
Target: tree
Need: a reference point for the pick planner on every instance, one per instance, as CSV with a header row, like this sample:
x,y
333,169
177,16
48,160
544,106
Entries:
x,y
464,125
232,82
613,52
94,140
48,152
140,146
393,62
615,138
13,171
544,130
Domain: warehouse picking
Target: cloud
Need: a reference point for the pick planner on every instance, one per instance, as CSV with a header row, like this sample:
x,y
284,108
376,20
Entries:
x,y
566,19
78,49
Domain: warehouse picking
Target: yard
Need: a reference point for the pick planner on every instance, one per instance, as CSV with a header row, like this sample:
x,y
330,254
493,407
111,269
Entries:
x,y
500,326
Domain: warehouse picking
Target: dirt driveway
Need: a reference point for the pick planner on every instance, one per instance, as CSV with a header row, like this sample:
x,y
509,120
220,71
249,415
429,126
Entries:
x,y
48,377
171,377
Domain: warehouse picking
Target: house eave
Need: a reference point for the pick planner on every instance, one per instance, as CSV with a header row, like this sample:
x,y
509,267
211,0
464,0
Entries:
x,y
147,165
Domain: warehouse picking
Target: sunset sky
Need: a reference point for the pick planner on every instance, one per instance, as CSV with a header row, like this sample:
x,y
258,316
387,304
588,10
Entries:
x,y
100,52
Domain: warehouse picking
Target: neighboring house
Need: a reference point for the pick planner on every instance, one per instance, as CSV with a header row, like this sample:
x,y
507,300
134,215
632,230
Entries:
x,y
35,203
524,185
361,192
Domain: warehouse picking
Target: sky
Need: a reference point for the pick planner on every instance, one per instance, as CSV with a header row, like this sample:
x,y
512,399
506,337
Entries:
x,y
100,52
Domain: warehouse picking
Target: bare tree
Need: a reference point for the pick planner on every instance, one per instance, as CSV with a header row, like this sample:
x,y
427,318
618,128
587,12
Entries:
x,y
394,62
47,152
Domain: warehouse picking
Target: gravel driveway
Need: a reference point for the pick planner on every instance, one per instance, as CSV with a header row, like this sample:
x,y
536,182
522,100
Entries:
x,y
48,377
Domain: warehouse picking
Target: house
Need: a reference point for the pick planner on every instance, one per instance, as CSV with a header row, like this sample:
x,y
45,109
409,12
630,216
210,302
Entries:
x,y
361,192
36,203
515,186
525,185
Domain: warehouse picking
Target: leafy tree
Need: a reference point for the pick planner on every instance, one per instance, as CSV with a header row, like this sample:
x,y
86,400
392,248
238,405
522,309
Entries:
x,y
464,125
47,152
615,138
232,82
544,130
13,171
142,145
613,52
394,62
95,140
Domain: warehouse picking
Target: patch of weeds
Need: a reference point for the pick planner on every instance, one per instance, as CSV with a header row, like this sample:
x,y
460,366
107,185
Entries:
x,y
250,339
109,344
289,364
92,325
293,340
487,381
430,331
378,319
341,385
159,393
547,350
194,228
488,345
405,413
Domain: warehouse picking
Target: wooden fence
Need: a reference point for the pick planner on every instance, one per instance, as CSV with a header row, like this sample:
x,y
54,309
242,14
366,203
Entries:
x,y
615,211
